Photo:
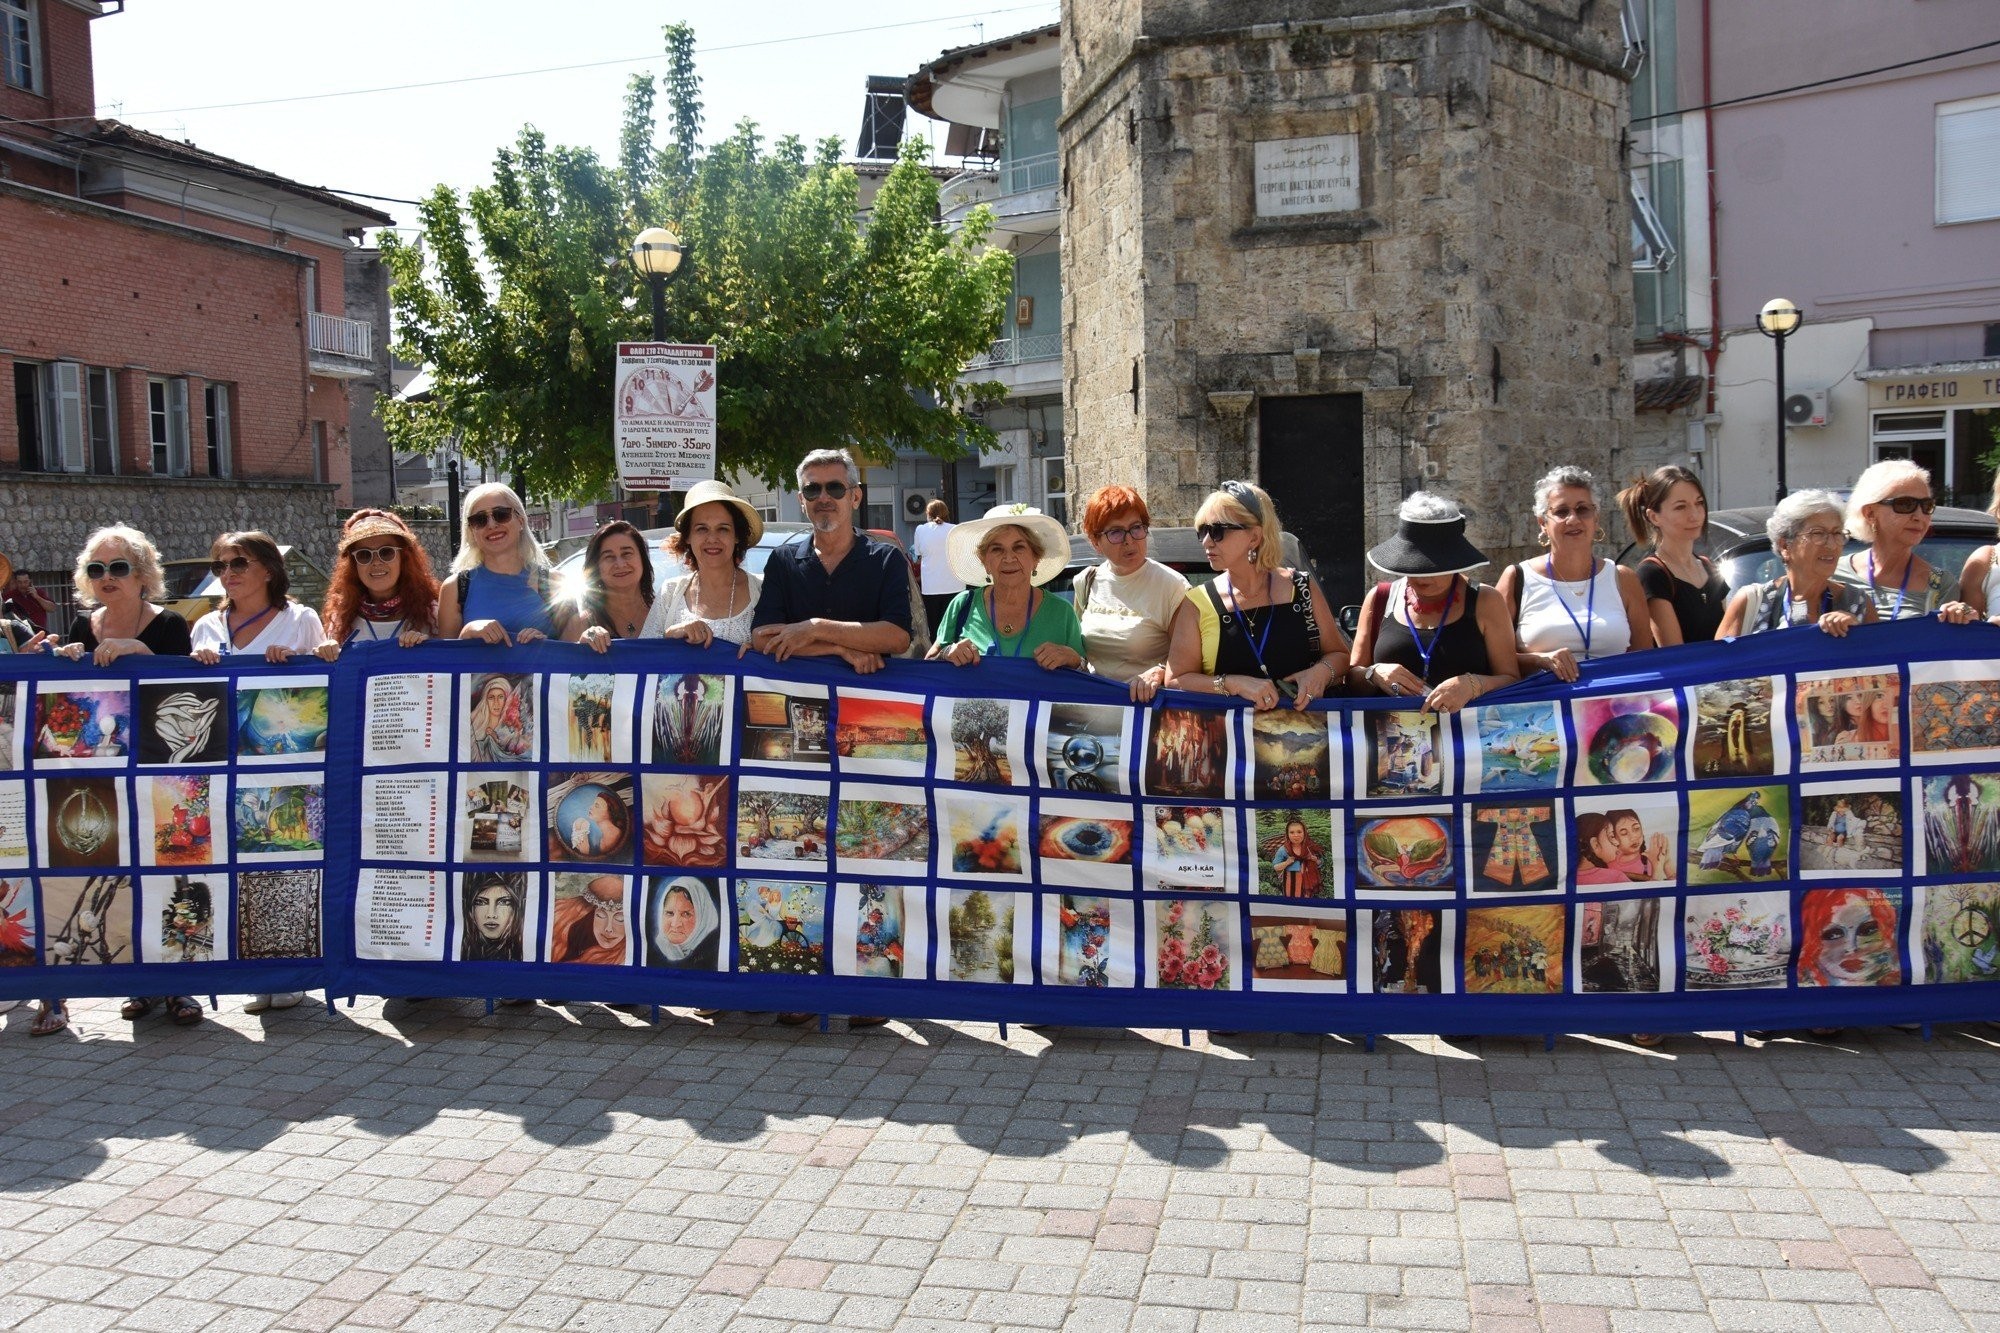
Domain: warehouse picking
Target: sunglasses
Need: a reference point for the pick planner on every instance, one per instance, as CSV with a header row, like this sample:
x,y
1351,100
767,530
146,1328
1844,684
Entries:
x,y
833,490
117,569
1910,504
234,565
501,514
1215,532
364,556
1119,536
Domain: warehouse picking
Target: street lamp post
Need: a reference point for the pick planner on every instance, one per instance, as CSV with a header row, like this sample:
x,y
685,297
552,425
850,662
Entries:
x,y
657,252
1779,320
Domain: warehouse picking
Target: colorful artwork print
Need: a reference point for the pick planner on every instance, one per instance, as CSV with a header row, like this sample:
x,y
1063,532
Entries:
x,y
497,817
87,921
685,819
587,919
280,816
881,733
1851,831
1737,834
1084,941
684,923
1627,738
780,824
181,819
984,835
1732,729
1626,840
280,720
1847,937
183,912
492,917
786,724
1402,753
1084,748
780,927
500,719
590,816
1514,950
594,718
1514,847
1404,852
1950,717
1618,947
877,931
183,722
883,825
1961,824
689,719
1087,844
1189,754
1848,719
1737,941
1194,945
19,933
1291,756
1298,950
1296,853
278,914
980,928
987,741
1960,939
1189,844
83,823
1407,951
1520,747
82,724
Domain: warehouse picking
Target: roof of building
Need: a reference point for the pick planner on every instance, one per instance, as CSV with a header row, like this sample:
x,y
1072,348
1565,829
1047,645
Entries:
x,y
923,84
118,136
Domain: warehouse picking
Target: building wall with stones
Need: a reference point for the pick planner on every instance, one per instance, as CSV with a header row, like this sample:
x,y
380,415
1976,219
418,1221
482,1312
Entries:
x,y
182,515
1478,299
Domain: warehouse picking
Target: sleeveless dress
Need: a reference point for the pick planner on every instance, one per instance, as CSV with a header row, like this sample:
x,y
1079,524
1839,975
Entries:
x,y
1552,611
1460,647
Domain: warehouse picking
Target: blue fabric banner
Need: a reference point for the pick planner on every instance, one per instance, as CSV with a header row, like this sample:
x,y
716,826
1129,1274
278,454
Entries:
x,y
1787,830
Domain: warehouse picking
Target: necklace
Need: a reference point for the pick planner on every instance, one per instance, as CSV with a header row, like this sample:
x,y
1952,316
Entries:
x,y
695,603
1589,621
1902,589
1426,650
1256,644
1001,643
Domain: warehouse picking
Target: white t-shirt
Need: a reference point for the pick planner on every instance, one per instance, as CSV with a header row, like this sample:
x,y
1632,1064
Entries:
x,y
934,567
293,626
1127,621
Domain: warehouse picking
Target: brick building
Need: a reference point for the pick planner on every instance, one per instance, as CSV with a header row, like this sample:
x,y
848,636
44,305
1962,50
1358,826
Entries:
x,y
173,323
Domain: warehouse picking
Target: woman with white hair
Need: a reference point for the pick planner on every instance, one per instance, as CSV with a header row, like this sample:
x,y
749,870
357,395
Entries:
x,y
119,584
1805,531
1429,633
1572,605
1890,509
499,589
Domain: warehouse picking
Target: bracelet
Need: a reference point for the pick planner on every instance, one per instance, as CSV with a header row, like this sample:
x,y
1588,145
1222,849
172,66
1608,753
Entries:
x,y
1221,684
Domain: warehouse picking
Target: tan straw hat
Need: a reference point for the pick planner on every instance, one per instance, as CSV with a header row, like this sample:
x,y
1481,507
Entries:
x,y
715,492
365,523
961,548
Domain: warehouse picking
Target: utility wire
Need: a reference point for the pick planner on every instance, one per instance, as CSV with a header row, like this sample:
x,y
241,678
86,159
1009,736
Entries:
x,y
1816,83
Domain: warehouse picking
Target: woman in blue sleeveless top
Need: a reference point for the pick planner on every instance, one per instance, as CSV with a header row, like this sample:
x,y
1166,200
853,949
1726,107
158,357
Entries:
x,y
499,591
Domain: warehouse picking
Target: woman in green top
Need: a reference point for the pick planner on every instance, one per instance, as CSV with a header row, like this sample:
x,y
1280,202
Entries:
x,y
1004,559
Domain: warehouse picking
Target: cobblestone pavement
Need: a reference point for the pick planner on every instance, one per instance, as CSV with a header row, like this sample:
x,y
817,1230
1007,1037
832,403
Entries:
x,y
430,1167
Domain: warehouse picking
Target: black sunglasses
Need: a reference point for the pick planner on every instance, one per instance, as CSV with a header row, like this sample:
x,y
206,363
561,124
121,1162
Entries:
x,y
117,569
834,490
501,514
234,565
365,556
1910,504
1215,532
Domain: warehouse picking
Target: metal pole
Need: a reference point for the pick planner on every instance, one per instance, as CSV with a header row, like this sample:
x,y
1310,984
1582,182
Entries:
x,y
451,504
659,282
1780,341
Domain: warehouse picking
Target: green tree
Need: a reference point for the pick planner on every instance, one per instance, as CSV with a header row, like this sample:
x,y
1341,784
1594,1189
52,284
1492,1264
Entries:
x,y
826,335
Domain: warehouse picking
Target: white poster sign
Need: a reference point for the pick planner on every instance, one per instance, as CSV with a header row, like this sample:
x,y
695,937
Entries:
x,y
1301,176
664,415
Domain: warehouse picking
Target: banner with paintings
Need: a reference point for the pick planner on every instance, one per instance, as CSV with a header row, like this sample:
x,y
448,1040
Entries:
x,y
1790,829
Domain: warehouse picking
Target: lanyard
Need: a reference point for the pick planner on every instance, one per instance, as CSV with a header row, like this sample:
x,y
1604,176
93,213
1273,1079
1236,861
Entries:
x,y
1585,627
1000,644
1825,601
1425,650
1902,589
229,640
1256,644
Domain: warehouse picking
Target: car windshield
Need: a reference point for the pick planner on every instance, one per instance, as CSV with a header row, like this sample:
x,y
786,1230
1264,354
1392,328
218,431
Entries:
x,y
1946,551
183,577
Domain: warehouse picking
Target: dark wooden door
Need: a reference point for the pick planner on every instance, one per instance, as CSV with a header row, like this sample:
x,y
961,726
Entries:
x,y
1309,459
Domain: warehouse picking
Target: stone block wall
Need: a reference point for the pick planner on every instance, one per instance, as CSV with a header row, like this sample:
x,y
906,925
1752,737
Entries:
x,y
182,516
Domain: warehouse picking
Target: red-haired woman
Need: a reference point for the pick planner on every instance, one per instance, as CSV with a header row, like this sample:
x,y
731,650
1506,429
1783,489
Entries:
x,y
1127,604
382,587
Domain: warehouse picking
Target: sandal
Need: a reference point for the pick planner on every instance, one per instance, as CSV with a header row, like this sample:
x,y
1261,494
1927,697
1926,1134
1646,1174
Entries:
x,y
185,1010
135,1008
50,1020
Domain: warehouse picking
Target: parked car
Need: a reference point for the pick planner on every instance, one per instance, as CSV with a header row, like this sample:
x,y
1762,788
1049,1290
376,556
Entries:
x,y
193,591
1742,552
569,570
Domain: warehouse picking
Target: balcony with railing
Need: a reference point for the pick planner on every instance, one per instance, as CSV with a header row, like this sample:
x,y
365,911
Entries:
x,y
343,348
1017,350
1020,191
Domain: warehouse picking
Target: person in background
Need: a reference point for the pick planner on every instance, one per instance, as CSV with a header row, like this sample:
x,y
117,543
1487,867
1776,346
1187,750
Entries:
x,y
25,600
1126,605
717,598
1805,531
17,636
934,573
1470,646
1979,581
1013,551
382,586
1572,605
257,614
1890,508
618,588
1685,594
499,588
1261,632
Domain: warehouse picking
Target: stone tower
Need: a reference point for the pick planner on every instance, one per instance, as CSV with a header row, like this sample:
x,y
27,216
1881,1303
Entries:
x,y
1348,248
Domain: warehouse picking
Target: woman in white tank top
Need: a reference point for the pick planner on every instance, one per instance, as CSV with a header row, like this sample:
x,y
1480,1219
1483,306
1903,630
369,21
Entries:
x,y
1572,604
1979,584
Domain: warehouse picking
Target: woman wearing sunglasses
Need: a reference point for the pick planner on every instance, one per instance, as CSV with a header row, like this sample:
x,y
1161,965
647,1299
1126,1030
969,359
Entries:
x,y
499,589
1890,509
382,586
1259,632
257,616
1127,604
118,582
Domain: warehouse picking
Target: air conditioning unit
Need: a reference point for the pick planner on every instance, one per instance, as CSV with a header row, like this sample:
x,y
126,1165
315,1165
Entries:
x,y
914,504
1807,407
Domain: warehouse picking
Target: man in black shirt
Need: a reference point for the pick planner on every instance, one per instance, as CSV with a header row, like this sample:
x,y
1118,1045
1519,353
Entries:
x,y
843,594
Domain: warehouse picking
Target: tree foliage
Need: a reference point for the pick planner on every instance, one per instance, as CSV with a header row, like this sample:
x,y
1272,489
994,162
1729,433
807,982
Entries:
x,y
826,334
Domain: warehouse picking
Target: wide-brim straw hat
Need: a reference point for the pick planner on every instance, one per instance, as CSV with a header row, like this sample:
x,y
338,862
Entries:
x,y
1426,549
714,492
961,548
366,523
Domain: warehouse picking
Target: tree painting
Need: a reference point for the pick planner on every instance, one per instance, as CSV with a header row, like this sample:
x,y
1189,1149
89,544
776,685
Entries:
x,y
979,736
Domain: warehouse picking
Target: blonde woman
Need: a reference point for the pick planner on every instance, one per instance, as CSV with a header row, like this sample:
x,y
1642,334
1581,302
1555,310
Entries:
x,y
1979,582
499,589
119,585
1890,509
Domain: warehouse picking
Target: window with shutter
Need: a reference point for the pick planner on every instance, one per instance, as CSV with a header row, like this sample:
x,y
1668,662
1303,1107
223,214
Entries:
x,y
1968,160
